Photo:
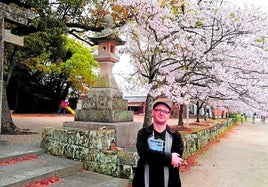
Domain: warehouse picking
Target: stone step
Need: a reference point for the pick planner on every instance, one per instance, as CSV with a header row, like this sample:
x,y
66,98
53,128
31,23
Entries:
x,y
85,178
46,166
11,151
26,172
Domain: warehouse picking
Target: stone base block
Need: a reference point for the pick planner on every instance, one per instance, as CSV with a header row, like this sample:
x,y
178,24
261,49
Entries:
x,y
110,116
126,132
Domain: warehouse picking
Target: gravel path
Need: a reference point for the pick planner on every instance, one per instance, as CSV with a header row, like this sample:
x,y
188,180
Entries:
x,y
239,160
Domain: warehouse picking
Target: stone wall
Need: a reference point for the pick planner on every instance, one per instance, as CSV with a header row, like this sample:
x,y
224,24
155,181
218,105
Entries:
x,y
197,140
96,148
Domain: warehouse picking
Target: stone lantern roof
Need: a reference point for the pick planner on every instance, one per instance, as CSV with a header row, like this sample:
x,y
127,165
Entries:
x,y
107,34
106,37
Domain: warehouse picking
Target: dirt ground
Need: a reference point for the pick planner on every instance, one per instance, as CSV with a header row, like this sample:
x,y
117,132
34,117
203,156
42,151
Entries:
x,y
34,125
239,160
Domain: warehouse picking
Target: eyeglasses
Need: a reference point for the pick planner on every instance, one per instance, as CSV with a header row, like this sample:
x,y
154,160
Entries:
x,y
160,110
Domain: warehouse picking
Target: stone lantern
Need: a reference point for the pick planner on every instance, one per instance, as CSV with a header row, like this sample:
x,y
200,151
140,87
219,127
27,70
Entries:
x,y
103,116
106,58
105,102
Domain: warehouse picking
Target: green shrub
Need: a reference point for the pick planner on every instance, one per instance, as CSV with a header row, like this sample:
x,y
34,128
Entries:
x,y
237,116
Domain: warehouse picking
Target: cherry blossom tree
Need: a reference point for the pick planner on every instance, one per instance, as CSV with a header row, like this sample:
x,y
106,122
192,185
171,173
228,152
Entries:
x,y
210,51
234,65
150,46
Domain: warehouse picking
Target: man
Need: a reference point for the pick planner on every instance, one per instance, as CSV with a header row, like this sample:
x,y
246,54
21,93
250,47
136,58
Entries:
x,y
160,150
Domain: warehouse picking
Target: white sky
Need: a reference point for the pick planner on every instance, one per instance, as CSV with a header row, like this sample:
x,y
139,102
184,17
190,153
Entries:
x,y
262,4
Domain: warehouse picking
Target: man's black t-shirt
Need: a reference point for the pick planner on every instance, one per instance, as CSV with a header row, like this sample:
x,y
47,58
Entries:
x,y
160,136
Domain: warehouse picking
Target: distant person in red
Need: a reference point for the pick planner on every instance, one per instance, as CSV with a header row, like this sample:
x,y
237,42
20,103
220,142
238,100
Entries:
x,y
62,106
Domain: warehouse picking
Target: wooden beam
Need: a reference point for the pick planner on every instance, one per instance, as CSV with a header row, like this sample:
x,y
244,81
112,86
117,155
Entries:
x,y
14,39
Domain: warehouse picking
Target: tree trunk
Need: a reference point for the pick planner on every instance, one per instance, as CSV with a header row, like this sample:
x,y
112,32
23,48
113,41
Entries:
x,y
7,126
197,112
180,122
213,113
148,115
206,113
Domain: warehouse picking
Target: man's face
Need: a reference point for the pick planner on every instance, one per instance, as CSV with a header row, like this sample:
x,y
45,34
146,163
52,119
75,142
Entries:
x,y
161,114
